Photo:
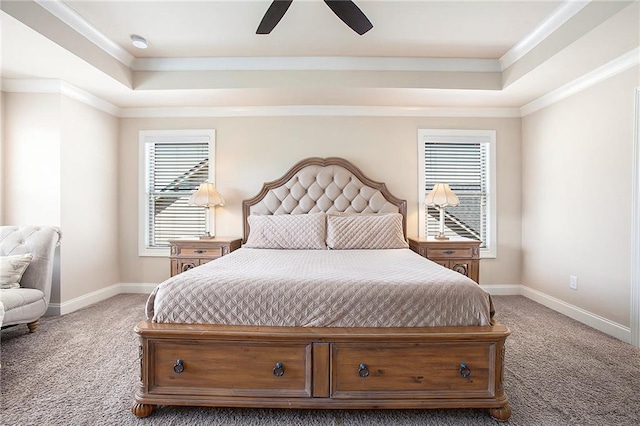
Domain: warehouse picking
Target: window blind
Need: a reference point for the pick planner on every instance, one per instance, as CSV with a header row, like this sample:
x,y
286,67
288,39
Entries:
x,y
175,169
463,165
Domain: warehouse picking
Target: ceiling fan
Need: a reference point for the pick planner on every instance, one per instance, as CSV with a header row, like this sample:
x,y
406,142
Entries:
x,y
344,9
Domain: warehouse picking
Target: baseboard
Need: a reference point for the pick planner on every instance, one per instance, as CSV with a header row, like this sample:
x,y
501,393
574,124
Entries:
x,y
503,289
137,288
592,320
614,329
97,296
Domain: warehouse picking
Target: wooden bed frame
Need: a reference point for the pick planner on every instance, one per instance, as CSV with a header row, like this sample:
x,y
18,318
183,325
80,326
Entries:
x,y
321,368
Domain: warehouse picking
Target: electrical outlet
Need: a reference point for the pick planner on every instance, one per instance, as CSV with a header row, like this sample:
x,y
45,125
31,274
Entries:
x,y
573,282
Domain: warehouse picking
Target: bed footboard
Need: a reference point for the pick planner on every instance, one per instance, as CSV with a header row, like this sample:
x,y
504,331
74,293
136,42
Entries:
x,y
329,368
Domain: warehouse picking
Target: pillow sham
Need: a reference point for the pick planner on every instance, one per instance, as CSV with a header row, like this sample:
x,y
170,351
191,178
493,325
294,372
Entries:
x,y
287,231
12,268
365,231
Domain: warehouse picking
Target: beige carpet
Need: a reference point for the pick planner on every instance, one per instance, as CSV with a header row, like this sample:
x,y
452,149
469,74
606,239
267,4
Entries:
x,y
82,368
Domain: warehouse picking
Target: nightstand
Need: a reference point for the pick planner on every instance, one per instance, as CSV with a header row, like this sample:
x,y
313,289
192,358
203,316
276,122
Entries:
x,y
187,254
457,253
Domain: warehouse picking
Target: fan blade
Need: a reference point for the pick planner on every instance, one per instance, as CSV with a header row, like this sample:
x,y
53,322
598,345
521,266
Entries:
x,y
273,15
350,15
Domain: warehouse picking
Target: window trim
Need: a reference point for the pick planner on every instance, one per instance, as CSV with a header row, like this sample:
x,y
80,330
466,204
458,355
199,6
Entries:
x,y
172,136
463,136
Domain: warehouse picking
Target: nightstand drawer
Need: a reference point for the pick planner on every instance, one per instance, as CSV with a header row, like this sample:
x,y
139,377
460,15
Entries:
x,y
187,254
449,253
200,251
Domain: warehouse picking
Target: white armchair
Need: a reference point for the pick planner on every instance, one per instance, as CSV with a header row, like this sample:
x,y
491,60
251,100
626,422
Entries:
x,y
29,302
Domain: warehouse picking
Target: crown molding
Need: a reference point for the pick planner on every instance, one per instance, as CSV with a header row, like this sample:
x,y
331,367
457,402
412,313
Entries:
x,y
611,68
616,66
316,63
70,17
318,110
60,87
567,10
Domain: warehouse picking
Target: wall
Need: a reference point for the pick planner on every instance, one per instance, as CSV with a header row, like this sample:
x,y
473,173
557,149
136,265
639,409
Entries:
x,y
2,165
88,200
576,206
252,150
32,159
61,170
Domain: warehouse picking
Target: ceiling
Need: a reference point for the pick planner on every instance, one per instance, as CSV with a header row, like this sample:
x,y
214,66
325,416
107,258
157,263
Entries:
x,y
483,54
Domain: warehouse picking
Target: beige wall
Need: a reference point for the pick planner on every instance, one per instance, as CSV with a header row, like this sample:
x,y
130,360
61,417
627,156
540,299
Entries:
x,y
61,170
577,186
252,150
89,200
32,159
2,165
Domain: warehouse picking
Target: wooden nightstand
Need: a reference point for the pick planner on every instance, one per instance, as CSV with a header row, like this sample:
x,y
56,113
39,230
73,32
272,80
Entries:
x,y
187,254
457,253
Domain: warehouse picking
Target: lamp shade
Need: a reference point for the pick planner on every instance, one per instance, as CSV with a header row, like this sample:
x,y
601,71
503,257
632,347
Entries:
x,y
441,196
206,196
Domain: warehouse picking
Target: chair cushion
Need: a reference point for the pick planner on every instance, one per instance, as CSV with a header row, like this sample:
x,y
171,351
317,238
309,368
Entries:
x,y
22,305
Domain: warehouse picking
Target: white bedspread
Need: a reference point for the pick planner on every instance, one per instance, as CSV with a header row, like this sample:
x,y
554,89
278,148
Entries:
x,y
321,288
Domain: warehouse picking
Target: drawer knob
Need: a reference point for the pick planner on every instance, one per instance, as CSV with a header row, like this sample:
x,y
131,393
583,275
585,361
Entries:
x,y
465,371
178,368
200,251
363,370
278,370
448,252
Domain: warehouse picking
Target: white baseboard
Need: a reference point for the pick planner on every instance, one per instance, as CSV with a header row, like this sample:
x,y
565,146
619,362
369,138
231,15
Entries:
x,y
592,320
503,289
614,329
97,296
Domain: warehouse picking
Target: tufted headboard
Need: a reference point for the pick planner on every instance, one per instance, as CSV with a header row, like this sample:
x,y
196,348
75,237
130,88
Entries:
x,y
327,185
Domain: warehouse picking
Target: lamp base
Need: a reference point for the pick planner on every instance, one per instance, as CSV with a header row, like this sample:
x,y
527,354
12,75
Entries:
x,y
207,236
441,237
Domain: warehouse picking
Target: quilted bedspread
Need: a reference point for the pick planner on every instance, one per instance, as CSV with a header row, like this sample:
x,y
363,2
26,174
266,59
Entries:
x,y
321,288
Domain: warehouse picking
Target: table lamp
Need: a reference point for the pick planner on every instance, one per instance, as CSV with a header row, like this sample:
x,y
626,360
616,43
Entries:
x,y
206,196
440,197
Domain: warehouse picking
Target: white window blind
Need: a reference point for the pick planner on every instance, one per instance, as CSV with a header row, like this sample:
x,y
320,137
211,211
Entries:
x,y
463,159
175,164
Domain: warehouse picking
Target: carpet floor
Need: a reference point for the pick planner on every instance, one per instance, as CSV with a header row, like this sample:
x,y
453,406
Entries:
x,y
82,369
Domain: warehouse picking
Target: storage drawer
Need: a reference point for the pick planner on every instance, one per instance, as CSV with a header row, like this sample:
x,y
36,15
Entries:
x,y
412,370
232,368
449,253
200,251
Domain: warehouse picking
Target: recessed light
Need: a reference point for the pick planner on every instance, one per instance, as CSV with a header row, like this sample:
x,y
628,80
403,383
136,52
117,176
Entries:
x,y
139,42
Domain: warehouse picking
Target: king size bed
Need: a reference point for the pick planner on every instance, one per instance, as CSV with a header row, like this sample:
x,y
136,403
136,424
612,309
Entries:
x,y
324,306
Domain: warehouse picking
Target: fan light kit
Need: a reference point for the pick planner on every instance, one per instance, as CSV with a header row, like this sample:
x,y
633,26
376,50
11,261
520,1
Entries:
x,y
139,42
344,9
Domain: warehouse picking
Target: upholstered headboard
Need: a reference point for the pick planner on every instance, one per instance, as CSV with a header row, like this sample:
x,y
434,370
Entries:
x,y
327,185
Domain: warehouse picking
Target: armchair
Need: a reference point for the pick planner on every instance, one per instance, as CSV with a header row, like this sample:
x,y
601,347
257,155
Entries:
x,y
29,302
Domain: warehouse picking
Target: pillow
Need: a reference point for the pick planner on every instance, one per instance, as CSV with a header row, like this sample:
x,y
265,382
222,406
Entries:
x,y
287,231
365,231
12,268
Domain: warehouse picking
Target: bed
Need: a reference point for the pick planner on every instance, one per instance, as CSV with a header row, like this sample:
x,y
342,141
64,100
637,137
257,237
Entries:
x,y
312,312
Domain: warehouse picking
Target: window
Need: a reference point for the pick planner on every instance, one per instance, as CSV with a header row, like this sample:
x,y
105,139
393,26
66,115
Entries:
x,y
465,159
173,164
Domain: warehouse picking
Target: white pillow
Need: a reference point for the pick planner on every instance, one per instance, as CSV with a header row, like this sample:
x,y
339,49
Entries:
x,y
287,231
12,268
365,231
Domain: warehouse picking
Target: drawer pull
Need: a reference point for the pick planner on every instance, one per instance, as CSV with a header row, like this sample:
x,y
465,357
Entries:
x,y
278,370
363,370
448,252
200,251
465,371
179,367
